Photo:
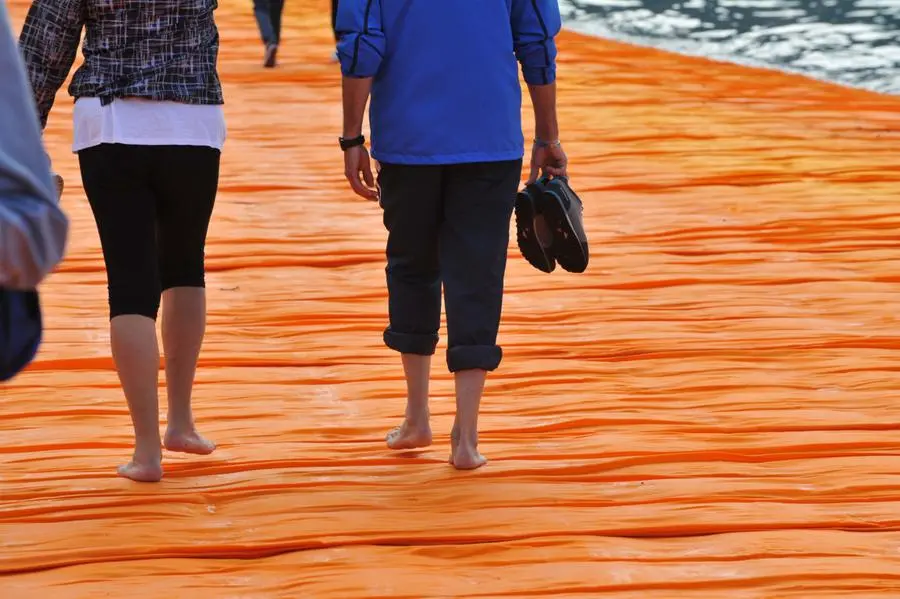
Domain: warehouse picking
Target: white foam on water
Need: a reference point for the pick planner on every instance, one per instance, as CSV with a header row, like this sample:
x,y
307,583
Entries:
x,y
838,53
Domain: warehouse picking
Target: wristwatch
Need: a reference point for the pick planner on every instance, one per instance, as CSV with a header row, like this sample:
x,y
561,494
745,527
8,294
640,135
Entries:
x,y
346,144
540,143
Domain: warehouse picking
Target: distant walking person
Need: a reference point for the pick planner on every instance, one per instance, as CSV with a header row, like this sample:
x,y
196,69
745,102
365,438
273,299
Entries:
x,y
334,8
334,11
268,17
447,132
148,131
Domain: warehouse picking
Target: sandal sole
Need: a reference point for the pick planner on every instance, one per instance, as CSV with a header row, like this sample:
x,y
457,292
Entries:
x,y
526,236
570,251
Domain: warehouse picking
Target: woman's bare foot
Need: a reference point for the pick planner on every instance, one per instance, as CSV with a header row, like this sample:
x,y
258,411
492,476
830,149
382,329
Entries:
x,y
142,472
409,436
188,442
464,455
467,458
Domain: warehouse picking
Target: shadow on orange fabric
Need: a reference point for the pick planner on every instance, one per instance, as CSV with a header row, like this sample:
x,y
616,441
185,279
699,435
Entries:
x,y
709,411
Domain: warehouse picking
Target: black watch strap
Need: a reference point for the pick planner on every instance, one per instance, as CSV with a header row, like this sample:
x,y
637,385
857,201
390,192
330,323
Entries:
x,y
346,144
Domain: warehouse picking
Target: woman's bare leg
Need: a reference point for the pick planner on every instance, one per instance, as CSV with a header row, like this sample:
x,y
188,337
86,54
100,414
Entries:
x,y
136,354
183,327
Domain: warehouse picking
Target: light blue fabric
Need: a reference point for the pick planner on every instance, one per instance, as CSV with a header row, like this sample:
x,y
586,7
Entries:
x,y
33,230
446,80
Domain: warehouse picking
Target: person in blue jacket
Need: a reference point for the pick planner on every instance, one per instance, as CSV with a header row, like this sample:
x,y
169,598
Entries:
x,y
446,131
33,228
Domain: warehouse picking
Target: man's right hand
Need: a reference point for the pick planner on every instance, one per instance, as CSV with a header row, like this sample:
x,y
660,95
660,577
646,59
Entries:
x,y
548,159
358,170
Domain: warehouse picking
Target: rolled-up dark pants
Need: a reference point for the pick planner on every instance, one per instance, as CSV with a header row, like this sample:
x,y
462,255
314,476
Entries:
x,y
448,224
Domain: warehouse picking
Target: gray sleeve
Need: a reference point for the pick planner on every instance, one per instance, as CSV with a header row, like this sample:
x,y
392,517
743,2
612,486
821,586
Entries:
x,y
33,229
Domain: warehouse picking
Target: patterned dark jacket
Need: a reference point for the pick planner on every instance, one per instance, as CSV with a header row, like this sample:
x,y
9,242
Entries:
x,y
154,49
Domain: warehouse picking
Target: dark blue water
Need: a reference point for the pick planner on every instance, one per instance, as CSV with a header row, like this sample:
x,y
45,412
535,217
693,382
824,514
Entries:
x,y
851,42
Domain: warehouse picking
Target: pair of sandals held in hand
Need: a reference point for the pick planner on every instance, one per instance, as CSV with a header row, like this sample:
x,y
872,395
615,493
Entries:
x,y
550,226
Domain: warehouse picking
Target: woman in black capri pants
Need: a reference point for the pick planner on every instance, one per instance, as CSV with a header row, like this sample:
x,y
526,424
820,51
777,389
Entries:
x,y
148,129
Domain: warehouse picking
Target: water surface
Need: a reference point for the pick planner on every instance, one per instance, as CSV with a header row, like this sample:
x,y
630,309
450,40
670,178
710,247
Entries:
x,y
852,42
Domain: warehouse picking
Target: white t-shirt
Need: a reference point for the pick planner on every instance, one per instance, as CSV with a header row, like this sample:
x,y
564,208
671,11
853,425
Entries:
x,y
140,122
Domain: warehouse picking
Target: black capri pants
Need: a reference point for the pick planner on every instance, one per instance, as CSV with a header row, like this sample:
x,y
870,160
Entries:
x,y
448,226
152,206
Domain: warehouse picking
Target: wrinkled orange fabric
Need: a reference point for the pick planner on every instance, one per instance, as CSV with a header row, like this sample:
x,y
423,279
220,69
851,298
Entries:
x,y
710,411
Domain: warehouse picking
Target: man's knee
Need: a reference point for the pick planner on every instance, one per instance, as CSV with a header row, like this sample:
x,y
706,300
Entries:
x,y
415,270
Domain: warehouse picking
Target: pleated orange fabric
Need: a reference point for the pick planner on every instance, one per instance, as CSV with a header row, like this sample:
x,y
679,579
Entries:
x,y
710,411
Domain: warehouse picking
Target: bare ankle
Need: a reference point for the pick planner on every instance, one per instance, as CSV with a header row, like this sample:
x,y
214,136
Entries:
x,y
418,418
180,422
148,452
464,454
464,436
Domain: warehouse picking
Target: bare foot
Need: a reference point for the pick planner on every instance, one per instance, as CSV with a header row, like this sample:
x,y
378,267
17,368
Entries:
x,y
464,456
141,472
408,436
188,442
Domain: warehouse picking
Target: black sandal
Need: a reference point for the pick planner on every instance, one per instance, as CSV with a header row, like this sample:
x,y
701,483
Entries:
x,y
565,215
533,250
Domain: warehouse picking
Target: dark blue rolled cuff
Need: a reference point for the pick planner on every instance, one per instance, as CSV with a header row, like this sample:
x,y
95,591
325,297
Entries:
x,y
474,357
411,343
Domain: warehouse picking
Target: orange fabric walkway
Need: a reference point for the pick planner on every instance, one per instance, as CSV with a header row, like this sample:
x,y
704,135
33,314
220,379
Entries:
x,y
710,411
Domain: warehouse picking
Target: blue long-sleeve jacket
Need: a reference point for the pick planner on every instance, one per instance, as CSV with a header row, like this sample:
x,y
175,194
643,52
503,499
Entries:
x,y
446,73
33,229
